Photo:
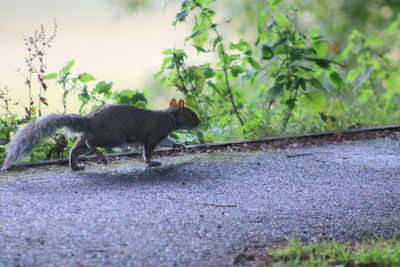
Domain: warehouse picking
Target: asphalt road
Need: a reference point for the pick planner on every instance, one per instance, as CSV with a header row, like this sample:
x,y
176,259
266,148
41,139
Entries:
x,y
197,210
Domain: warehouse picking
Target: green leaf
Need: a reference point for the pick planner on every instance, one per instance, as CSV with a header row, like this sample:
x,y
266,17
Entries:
x,y
200,35
240,46
262,19
84,94
301,82
275,2
196,74
317,84
216,42
305,68
336,80
282,20
363,77
254,63
314,33
281,41
200,49
137,97
103,88
321,48
321,62
352,75
165,62
233,58
213,85
195,33
181,16
375,41
69,65
267,52
179,54
208,73
393,27
315,100
123,97
185,4
205,2
310,51
50,76
167,52
275,91
236,70
206,14
86,77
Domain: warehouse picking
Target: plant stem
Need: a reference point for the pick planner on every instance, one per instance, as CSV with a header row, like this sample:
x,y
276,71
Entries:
x,y
180,77
199,134
291,107
224,68
64,98
29,80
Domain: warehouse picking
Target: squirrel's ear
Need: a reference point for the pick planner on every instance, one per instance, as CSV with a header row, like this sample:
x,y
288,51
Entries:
x,y
181,104
173,103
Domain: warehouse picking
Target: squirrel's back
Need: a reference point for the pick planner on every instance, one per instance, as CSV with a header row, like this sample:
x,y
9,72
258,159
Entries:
x,y
119,124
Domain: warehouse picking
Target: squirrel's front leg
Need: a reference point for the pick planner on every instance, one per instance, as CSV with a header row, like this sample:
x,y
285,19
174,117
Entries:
x,y
148,150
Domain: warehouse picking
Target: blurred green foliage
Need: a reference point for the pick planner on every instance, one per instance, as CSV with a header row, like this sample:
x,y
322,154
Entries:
x,y
290,79
337,19
261,69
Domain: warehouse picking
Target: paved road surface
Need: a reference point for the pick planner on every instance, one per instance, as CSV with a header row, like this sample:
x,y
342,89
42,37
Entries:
x,y
199,210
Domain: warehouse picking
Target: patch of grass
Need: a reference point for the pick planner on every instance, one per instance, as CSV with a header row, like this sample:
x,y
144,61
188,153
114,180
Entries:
x,y
374,252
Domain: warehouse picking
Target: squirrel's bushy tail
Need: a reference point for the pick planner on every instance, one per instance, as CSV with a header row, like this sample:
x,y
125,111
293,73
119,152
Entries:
x,y
30,134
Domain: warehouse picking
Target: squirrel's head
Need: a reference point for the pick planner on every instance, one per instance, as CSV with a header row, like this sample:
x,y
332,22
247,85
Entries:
x,y
185,118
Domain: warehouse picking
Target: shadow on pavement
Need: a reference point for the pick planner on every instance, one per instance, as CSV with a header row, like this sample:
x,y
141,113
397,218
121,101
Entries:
x,y
131,176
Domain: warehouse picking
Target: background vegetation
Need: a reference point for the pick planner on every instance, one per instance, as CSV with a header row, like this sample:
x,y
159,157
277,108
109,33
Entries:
x,y
250,69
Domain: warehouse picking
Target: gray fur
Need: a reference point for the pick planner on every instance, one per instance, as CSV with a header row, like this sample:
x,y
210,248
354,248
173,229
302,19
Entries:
x,y
30,134
106,127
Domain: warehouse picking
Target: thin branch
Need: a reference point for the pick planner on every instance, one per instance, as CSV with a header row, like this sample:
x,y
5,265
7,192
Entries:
x,y
180,77
224,68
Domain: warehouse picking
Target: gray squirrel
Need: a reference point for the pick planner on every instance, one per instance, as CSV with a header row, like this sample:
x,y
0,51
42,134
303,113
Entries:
x,y
108,126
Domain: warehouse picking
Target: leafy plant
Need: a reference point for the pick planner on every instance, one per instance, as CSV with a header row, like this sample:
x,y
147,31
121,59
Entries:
x,y
36,46
249,83
8,121
295,60
89,94
83,86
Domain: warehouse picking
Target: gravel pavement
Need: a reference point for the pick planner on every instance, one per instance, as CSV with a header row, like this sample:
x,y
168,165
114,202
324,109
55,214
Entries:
x,y
197,210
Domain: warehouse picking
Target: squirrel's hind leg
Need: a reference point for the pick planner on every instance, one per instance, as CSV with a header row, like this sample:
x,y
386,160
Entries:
x,y
78,149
